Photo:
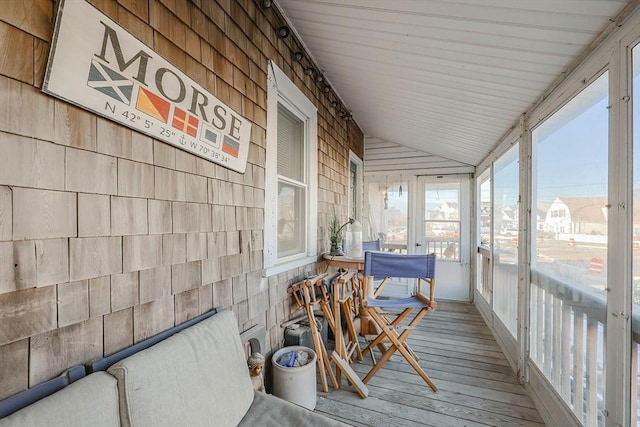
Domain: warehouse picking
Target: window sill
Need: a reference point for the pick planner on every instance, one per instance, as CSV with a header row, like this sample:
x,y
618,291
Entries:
x,y
286,266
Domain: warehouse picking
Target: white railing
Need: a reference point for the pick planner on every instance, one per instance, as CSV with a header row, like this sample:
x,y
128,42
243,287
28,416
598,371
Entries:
x,y
567,342
499,287
567,336
505,294
443,247
484,274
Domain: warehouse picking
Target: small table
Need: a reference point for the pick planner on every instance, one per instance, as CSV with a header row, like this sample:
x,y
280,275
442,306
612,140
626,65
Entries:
x,y
342,261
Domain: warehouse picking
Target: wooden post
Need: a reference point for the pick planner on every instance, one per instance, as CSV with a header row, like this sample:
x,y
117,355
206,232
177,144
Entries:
x,y
365,320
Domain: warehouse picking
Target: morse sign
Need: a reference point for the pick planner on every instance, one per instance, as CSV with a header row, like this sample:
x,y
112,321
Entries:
x,y
97,65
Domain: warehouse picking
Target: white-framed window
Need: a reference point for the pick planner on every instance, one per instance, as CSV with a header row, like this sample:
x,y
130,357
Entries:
x,y
291,178
355,186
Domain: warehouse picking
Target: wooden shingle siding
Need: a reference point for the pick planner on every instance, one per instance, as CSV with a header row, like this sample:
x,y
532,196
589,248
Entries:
x,y
196,246
52,261
55,216
73,302
99,296
174,249
31,163
108,236
26,313
186,276
124,291
118,331
141,252
113,139
94,215
155,284
89,172
128,216
17,265
152,318
94,256
74,127
21,67
20,103
14,368
135,179
6,214
56,350
187,305
159,216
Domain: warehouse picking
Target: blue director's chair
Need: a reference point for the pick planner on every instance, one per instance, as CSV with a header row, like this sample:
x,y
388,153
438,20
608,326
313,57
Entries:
x,y
386,266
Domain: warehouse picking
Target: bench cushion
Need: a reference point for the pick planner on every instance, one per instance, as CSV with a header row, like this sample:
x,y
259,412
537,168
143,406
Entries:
x,y
198,377
91,401
271,411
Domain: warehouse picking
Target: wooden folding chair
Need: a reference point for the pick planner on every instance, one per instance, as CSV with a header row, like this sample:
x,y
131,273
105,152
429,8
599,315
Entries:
x,y
305,295
374,321
338,305
335,301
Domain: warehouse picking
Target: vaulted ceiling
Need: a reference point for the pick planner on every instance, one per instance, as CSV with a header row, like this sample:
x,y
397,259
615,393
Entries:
x,y
446,77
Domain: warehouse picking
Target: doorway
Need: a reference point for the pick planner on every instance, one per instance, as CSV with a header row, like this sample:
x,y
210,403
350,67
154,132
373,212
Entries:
x,y
443,227
419,215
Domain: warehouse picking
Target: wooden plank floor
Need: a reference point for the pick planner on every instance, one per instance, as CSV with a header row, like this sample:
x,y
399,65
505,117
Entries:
x,y
476,386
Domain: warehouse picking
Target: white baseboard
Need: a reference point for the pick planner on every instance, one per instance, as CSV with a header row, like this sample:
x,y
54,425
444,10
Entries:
x,y
550,405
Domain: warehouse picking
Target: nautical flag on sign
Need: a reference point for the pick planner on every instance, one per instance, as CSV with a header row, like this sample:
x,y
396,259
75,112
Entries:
x,y
185,122
109,82
210,136
230,146
153,105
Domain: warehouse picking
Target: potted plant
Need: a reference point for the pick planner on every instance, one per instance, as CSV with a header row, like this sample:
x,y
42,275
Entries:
x,y
335,235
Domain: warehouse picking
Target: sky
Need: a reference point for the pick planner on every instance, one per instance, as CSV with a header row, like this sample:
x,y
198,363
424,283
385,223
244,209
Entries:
x,y
570,151
573,160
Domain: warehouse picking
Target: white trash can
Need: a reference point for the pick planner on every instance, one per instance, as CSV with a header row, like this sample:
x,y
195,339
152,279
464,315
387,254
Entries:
x,y
296,384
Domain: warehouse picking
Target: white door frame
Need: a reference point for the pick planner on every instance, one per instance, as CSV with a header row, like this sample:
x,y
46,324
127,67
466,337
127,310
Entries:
x,y
448,273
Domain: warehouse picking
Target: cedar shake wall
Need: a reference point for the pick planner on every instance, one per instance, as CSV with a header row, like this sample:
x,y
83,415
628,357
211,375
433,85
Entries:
x,y
108,236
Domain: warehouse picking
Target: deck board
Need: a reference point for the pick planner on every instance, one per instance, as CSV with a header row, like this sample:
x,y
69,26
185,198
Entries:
x,y
476,384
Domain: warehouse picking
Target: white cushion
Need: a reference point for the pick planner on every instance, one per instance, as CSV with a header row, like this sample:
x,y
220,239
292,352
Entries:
x,y
91,401
198,377
271,411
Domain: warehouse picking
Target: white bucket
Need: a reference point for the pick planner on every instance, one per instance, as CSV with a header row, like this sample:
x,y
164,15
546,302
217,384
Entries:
x,y
296,384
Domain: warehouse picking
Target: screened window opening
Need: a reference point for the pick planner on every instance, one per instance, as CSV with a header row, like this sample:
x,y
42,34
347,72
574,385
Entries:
x,y
388,206
569,250
484,215
505,238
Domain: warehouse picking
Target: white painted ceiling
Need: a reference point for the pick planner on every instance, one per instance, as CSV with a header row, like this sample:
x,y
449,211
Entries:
x,y
446,77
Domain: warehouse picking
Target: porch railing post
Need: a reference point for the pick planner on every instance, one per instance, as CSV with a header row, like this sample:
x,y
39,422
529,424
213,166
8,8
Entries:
x,y
524,251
